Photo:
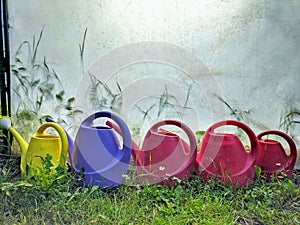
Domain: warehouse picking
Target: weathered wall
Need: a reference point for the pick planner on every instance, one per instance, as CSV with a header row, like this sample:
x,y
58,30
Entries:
x,y
250,47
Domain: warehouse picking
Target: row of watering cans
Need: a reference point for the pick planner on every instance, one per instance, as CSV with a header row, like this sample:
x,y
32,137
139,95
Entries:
x,y
164,156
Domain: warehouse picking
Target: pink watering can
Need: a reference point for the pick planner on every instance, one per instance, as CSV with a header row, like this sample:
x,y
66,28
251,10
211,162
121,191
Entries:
x,y
164,156
222,156
272,157
97,154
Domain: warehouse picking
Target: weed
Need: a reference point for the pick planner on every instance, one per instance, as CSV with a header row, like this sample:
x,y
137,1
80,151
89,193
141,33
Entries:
x,y
238,114
35,84
159,107
81,51
192,201
164,106
199,136
290,120
101,96
48,197
67,112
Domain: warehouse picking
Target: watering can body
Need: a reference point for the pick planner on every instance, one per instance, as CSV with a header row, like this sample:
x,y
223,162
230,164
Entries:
x,y
272,157
165,157
222,156
97,153
41,144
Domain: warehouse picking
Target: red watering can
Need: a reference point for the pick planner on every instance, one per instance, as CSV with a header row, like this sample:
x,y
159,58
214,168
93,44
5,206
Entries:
x,y
164,156
272,157
222,156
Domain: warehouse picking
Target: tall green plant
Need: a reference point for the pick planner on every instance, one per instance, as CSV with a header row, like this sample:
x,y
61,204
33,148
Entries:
x,y
159,107
35,79
101,95
238,114
165,106
290,121
37,85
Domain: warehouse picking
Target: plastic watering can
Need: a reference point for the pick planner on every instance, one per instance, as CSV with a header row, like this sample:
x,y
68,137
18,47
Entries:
x,y
222,156
272,157
97,154
164,156
41,144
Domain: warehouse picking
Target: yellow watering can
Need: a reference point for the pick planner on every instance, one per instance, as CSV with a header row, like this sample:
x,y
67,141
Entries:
x,y
41,144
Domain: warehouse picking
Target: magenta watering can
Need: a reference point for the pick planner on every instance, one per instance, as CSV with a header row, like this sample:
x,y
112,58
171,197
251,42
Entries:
x,y
222,156
272,157
165,157
97,153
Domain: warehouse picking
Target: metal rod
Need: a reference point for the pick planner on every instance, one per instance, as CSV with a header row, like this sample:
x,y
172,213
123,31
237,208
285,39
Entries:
x,y
5,73
7,58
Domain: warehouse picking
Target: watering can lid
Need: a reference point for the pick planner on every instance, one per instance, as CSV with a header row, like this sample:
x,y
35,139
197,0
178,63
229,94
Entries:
x,y
5,123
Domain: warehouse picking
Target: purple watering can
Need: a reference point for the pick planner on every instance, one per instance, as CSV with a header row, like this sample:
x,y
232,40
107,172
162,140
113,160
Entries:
x,y
272,157
97,154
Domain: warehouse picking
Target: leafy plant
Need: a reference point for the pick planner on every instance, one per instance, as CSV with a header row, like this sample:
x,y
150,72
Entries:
x,y
164,106
290,120
67,113
46,175
81,50
101,96
199,136
154,108
238,114
192,201
36,83
38,86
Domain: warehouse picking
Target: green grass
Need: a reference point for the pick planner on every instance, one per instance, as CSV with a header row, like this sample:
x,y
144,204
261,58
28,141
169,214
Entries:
x,y
60,200
192,202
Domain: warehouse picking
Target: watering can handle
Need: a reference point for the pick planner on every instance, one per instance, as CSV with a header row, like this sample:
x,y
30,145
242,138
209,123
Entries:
x,y
248,130
184,127
63,136
135,147
291,143
125,133
70,140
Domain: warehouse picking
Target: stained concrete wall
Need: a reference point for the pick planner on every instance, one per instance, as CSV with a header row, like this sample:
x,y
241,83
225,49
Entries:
x,y
246,53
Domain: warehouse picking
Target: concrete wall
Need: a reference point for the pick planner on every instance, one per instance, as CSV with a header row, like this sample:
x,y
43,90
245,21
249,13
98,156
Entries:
x,y
244,52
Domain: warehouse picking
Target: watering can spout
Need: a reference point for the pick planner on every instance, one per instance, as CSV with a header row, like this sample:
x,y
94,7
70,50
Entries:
x,y
5,124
